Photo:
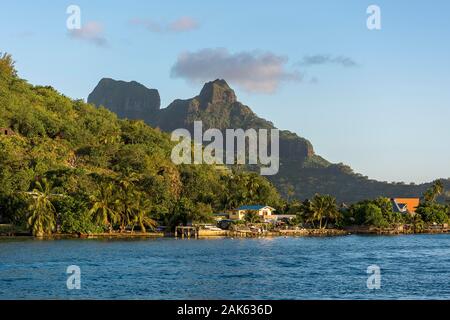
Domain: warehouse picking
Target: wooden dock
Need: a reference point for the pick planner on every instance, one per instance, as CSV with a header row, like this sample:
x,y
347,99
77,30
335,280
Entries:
x,y
186,232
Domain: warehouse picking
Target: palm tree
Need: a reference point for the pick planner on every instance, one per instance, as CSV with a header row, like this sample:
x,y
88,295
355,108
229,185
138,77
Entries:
x,y
252,217
141,215
104,206
125,213
435,191
42,212
332,213
127,202
323,207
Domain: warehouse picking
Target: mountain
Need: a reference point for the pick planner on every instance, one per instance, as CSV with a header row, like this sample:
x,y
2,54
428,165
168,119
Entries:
x,y
302,172
129,100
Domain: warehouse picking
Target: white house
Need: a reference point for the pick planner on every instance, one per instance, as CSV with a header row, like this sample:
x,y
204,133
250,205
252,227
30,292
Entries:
x,y
265,212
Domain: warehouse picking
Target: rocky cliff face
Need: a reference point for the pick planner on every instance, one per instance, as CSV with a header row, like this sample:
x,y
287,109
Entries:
x,y
217,107
129,100
215,92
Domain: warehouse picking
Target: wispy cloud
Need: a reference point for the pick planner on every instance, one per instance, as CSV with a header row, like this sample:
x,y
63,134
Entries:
x,y
92,32
182,24
253,71
321,59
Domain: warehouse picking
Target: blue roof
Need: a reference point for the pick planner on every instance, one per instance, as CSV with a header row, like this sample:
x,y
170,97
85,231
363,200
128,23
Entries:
x,y
255,207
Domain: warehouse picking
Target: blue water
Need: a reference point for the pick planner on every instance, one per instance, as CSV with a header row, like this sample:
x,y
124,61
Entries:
x,y
416,266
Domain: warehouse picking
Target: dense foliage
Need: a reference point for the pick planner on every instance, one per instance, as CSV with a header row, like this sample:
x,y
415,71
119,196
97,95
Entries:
x,y
72,167
322,210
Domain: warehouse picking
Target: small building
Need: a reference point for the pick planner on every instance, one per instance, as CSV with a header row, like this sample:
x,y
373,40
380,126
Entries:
x,y
265,212
405,205
6,132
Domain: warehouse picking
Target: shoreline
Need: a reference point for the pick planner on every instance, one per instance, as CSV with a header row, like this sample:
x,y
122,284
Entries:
x,y
205,234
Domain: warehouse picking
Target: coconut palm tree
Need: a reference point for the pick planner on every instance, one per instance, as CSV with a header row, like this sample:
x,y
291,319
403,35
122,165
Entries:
x,y
128,203
252,217
141,214
104,206
41,219
125,212
332,213
322,208
435,191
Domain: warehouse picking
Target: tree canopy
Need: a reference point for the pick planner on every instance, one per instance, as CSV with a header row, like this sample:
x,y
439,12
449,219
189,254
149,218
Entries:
x,y
111,173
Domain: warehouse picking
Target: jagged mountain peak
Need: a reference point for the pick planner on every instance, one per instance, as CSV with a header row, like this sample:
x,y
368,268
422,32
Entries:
x,y
217,91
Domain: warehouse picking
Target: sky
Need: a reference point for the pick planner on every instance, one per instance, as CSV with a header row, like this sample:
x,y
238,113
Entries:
x,y
377,100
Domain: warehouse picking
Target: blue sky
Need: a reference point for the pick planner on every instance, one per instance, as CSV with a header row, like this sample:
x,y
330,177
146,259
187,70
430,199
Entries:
x,y
387,115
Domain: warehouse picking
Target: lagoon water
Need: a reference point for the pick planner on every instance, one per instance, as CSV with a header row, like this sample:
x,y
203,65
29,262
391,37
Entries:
x,y
414,266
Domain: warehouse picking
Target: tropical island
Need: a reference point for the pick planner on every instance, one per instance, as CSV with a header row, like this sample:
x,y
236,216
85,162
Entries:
x,y
71,168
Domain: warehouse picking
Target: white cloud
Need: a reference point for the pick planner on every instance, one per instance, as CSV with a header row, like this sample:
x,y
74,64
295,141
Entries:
x,y
91,32
320,59
252,71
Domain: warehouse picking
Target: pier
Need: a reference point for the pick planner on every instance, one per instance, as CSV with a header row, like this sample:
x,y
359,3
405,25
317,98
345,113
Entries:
x,y
186,232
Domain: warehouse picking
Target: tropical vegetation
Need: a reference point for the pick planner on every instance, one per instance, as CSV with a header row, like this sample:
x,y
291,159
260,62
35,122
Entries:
x,y
67,166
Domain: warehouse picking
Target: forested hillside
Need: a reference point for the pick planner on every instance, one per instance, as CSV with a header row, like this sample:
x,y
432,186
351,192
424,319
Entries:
x,y
69,164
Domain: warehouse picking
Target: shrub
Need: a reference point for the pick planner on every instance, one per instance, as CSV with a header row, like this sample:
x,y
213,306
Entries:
x,y
433,213
75,217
